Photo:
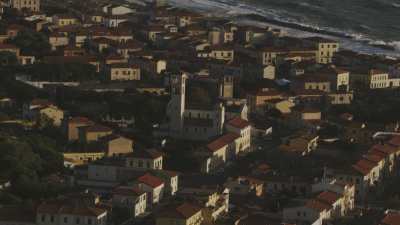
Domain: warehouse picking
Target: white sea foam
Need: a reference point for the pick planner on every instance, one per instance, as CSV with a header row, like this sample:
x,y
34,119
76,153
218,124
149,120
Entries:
x,y
231,8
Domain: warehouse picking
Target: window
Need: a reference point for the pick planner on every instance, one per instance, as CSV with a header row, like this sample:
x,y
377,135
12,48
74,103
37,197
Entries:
x,y
43,218
52,218
140,163
77,220
89,221
65,219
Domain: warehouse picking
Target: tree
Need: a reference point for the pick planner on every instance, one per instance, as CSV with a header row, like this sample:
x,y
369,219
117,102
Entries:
x,y
32,43
8,59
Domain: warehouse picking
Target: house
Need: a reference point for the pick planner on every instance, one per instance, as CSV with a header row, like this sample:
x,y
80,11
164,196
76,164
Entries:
x,y
213,200
242,128
283,183
32,5
93,133
146,159
325,49
58,40
115,59
312,82
269,72
302,144
153,31
62,20
116,145
123,72
391,218
37,108
108,146
225,53
170,178
314,212
114,9
113,21
186,213
378,79
130,198
153,186
10,48
129,47
74,51
153,67
72,124
256,100
76,211
333,200
245,185
13,30
219,151
328,189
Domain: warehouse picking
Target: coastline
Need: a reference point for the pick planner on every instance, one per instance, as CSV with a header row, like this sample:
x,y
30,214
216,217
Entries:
x,y
348,41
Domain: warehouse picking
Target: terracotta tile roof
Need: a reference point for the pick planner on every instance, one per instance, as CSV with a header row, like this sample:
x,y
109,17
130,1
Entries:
x,y
391,219
188,210
146,154
65,207
386,149
97,128
239,123
364,166
182,211
328,197
150,180
374,156
130,191
395,141
171,173
79,119
317,205
222,141
375,72
7,46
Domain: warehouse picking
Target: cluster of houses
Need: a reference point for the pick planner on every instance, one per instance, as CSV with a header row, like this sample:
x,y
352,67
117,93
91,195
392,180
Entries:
x,y
232,90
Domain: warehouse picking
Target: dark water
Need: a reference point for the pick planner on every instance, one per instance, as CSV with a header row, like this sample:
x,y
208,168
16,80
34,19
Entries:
x,y
371,23
375,19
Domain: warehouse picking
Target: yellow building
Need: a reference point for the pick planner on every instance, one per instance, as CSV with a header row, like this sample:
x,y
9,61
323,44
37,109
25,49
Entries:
x,y
124,72
184,214
32,5
93,133
326,49
79,158
64,20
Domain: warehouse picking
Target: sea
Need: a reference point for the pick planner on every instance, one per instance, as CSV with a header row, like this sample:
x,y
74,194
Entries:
x,y
365,26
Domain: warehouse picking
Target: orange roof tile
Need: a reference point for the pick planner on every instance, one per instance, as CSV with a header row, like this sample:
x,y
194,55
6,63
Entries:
x,y
222,141
317,205
150,180
391,219
328,197
364,166
239,123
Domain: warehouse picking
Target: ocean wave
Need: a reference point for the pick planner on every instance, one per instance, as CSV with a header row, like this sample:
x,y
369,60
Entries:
x,y
234,8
